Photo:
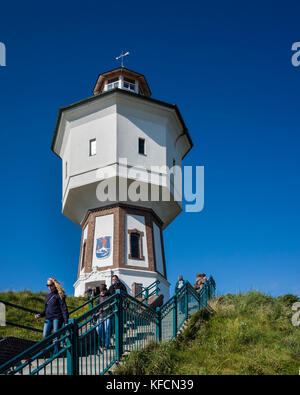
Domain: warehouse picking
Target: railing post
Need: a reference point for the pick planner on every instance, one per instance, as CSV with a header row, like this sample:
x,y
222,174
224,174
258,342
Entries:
x,y
119,325
158,324
175,307
91,303
213,287
186,301
72,352
146,296
199,301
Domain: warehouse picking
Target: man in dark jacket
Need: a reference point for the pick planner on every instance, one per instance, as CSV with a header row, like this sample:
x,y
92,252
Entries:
x,y
116,284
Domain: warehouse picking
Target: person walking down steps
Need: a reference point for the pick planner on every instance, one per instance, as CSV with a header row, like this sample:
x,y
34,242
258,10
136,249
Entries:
x,y
200,281
56,311
104,323
179,284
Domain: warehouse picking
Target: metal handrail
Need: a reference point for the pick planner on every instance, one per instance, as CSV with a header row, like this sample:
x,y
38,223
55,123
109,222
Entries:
x,y
30,350
125,310
30,328
24,309
94,309
145,290
91,300
154,284
18,307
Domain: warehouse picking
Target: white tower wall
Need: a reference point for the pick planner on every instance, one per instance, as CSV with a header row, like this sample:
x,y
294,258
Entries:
x,y
114,120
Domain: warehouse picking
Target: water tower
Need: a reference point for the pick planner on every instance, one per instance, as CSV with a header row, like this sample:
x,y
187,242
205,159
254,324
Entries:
x,y
117,136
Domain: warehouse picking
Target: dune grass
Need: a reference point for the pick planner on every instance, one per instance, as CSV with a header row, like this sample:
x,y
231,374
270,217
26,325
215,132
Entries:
x,y
250,334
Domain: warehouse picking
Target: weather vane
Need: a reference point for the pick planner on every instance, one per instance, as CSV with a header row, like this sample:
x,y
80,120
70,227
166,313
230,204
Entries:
x,y
122,58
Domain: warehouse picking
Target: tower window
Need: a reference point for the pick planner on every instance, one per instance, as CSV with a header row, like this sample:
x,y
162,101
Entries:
x,y
142,146
135,240
129,84
112,83
135,245
92,147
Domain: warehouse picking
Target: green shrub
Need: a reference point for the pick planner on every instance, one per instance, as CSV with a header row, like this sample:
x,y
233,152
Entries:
x,y
288,299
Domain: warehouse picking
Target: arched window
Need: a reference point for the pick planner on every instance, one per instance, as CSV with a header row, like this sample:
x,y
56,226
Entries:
x,y
136,244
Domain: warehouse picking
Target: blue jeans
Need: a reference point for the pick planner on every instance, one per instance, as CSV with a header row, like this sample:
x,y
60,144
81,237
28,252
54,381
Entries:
x,y
104,333
55,325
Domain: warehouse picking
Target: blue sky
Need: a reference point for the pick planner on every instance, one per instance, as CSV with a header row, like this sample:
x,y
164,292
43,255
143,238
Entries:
x,y
226,64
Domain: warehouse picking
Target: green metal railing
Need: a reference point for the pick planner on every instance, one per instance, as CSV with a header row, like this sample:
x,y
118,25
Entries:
x,y
177,310
90,302
149,291
137,324
96,340
26,309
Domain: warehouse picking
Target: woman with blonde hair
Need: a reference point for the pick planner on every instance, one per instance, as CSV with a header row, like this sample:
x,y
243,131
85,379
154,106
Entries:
x,y
56,311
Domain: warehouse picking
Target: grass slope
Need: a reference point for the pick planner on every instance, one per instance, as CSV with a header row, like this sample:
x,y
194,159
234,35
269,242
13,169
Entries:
x,y
34,301
249,334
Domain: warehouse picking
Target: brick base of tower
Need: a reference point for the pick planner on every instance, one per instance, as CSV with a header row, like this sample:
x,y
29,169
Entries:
x,y
125,240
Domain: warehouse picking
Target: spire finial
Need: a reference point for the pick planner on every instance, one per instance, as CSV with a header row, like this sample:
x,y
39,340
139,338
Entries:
x,y
122,58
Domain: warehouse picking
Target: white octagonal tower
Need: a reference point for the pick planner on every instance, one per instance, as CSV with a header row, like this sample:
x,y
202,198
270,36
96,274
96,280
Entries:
x,y
119,144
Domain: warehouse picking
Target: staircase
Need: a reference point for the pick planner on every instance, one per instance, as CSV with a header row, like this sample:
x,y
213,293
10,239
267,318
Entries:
x,y
156,301
75,349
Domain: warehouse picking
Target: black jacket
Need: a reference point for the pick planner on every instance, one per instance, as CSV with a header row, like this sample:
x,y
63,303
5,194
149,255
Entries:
x,y
55,308
114,287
